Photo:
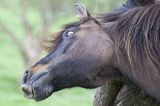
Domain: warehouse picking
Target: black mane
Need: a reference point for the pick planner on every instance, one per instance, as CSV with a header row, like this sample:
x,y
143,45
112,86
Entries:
x,y
138,32
130,4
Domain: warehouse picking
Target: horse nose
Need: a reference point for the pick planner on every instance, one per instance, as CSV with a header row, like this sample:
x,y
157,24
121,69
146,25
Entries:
x,y
28,92
27,76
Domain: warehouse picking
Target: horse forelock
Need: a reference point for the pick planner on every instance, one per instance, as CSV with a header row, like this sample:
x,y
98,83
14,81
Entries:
x,y
54,39
138,31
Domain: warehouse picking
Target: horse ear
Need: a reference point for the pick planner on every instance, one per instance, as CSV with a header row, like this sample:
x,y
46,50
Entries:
x,y
81,11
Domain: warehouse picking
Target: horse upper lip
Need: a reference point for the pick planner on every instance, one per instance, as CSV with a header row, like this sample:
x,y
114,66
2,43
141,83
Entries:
x,y
37,76
34,78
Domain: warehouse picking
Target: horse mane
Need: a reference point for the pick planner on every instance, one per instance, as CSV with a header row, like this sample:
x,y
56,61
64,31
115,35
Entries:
x,y
130,4
54,39
138,31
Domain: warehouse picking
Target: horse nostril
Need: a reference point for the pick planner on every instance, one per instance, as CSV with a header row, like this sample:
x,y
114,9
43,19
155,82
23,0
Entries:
x,y
26,72
27,76
27,89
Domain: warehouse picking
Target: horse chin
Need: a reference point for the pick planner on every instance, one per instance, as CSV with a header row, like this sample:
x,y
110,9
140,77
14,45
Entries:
x,y
42,92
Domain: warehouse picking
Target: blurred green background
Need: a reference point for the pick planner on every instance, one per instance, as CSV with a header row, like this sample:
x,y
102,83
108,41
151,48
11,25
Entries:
x,y
22,23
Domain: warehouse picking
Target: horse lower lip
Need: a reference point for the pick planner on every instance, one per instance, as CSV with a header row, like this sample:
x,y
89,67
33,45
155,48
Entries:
x,y
29,96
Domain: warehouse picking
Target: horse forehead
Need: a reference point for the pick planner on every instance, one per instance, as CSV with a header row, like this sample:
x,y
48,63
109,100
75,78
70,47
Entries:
x,y
89,27
89,24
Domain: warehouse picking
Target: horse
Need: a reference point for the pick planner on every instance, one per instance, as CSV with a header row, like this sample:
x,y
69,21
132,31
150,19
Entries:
x,y
130,4
90,52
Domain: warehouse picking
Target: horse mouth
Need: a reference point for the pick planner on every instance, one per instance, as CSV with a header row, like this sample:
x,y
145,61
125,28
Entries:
x,y
38,87
38,93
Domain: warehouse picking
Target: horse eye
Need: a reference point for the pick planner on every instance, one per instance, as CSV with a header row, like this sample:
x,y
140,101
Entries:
x,y
68,34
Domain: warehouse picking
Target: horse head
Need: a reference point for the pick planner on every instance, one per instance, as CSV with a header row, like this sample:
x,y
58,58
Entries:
x,y
83,53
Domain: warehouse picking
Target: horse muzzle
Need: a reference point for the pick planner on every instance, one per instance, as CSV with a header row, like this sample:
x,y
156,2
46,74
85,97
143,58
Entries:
x,y
38,86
